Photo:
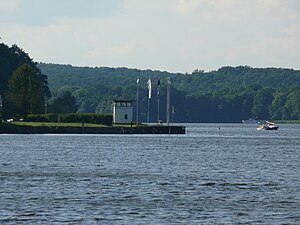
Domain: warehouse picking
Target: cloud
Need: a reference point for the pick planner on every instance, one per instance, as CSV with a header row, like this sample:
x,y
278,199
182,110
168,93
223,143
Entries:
x,y
41,13
185,7
9,6
237,7
173,35
115,52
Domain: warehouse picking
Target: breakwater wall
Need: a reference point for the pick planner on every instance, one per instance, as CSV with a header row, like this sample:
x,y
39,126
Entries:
x,y
94,130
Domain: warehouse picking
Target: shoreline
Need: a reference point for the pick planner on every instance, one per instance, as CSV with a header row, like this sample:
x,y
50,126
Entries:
x,y
23,129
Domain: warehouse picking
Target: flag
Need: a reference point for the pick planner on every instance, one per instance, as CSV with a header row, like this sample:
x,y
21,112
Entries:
x,y
158,87
138,80
149,88
169,81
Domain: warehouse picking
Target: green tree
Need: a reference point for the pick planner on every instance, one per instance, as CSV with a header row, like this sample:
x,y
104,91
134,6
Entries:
x,y
26,93
291,109
64,104
261,103
277,105
229,94
4,74
10,59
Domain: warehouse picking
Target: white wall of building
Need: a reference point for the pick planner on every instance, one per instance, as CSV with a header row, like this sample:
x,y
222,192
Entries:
x,y
122,112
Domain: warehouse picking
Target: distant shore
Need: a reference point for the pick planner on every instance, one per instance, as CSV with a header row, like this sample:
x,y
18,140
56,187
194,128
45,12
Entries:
x,y
288,121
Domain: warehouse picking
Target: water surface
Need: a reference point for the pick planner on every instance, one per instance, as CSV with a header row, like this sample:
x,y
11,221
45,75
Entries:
x,y
215,174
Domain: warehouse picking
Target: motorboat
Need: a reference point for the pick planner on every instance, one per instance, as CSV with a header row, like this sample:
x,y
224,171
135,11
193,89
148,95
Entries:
x,y
267,126
250,121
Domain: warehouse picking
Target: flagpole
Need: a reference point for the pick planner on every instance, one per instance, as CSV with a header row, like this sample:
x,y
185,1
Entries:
x,y
137,100
148,110
158,93
168,101
157,109
149,97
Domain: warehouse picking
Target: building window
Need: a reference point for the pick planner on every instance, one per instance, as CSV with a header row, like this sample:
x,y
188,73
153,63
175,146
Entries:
x,y
118,104
129,104
123,103
126,117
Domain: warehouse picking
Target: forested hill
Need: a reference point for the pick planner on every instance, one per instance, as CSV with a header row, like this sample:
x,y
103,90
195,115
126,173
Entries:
x,y
225,95
224,78
61,75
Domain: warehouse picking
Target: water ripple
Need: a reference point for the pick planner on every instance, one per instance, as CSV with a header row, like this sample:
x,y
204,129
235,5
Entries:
x,y
237,176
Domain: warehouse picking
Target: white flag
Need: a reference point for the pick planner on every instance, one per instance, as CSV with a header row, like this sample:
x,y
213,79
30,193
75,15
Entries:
x,y
169,81
149,88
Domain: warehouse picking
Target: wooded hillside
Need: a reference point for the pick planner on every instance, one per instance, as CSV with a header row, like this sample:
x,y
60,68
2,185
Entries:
x,y
229,94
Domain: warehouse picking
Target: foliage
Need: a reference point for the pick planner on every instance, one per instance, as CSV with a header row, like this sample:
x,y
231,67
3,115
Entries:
x,y
26,91
11,58
262,100
291,109
48,124
71,118
64,104
229,94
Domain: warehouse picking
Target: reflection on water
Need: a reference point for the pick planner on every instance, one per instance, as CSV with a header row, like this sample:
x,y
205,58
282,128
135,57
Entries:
x,y
216,173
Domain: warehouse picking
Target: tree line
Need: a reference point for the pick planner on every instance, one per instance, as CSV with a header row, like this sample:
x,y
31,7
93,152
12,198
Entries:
x,y
229,94
24,88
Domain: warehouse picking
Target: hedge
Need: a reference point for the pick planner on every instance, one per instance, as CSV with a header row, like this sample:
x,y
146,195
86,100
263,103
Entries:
x,y
71,118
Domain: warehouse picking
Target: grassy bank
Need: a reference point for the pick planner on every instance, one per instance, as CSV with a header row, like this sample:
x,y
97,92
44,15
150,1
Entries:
x,y
288,121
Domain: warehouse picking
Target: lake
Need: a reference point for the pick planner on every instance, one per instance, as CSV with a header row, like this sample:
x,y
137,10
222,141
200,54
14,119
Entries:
x,y
215,174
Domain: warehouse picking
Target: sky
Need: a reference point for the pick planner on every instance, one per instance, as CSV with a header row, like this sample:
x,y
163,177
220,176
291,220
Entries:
x,y
167,35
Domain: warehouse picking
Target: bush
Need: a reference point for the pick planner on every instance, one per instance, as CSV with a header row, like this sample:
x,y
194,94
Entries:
x,y
71,118
53,118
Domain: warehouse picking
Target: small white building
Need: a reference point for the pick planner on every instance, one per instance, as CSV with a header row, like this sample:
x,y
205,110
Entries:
x,y
122,111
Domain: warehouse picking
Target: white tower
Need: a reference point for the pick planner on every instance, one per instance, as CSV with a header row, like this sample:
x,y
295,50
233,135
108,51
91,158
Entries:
x,y
122,111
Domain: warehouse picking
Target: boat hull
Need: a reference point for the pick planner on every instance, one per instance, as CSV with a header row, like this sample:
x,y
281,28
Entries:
x,y
267,127
271,128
